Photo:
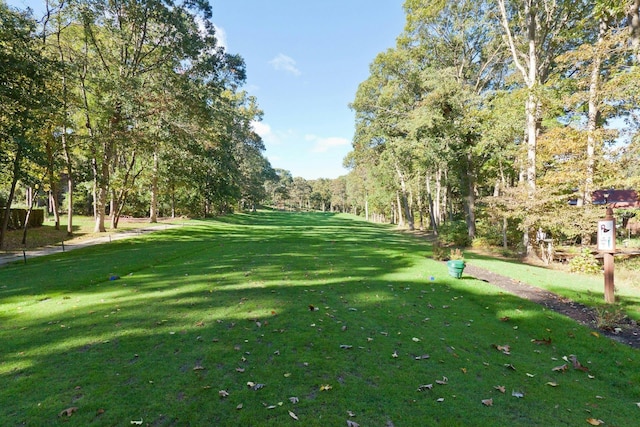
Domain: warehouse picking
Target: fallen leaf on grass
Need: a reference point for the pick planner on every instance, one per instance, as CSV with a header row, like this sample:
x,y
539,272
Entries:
x,y
239,406
505,319
313,308
530,375
395,354
294,400
487,402
223,393
577,364
254,386
425,387
510,366
198,367
352,424
544,341
346,346
414,339
506,349
560,368
292,415
137,423
500,388
441,399
241,370
594,422
443,381
424,356
325,387
68,412
517,394
552,384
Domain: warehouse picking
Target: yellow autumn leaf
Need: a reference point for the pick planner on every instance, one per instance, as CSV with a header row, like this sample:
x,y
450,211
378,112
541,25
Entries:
x,y
594,422
552,384
325,387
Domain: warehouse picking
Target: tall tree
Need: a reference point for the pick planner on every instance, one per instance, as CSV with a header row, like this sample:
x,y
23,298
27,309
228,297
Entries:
x,y
536,32
23,99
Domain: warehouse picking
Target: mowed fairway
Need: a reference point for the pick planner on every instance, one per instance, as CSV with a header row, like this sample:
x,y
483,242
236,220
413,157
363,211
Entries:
x,y
274,319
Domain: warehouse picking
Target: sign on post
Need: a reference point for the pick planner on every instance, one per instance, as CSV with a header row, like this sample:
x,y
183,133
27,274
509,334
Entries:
x,y
606,235
607,245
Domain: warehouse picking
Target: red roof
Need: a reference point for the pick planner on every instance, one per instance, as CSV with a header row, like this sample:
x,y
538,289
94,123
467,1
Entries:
x,y
616,198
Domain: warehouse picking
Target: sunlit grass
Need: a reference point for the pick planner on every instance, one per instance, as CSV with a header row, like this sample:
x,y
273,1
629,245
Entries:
x,y
296,302
586,289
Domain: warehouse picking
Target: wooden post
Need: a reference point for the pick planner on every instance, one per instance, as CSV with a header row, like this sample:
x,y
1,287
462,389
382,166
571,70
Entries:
x,y
607,245
609,293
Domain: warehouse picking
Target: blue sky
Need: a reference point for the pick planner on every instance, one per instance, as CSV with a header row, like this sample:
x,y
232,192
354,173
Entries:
x,y
305,59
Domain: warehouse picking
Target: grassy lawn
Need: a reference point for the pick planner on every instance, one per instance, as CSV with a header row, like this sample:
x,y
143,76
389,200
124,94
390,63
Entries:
x,y
275,319
82,230
586,289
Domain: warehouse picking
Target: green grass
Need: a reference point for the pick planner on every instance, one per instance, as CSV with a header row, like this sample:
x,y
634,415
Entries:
x,y
216,305
82,229
586,289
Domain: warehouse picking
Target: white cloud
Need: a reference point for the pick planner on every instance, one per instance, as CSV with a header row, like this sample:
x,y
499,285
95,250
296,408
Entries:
x,y
285,63
265,132
322,145
221,35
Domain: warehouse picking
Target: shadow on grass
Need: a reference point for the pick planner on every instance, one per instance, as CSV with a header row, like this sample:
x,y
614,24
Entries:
x,y
212,307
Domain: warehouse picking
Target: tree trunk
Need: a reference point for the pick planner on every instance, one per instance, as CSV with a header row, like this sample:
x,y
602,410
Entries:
x,y
468,185
53,185
531,109
634,28
67,157
12,191
153,209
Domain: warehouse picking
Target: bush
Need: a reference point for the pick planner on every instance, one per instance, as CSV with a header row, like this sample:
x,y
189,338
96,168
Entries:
x,y
585,263
454,233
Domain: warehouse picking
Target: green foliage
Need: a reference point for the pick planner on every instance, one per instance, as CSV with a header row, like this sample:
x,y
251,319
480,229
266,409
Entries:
x,y
609,317
585,263
438,251
454,233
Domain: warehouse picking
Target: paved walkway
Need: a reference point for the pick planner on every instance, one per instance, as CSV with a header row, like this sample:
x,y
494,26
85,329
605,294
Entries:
x,y
10,257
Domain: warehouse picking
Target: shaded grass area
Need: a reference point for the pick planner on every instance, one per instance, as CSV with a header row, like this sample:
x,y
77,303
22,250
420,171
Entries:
x,y
47,235
333,311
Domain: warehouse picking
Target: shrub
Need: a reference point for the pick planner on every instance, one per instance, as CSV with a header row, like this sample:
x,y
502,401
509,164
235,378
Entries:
x,y
454,233
439,252
586,263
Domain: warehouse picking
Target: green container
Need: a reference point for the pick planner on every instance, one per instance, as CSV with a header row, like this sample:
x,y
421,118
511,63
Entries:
x,y
455,266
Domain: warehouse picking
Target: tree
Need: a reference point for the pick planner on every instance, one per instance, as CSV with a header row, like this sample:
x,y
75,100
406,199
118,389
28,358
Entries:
x,y
23,99
536,32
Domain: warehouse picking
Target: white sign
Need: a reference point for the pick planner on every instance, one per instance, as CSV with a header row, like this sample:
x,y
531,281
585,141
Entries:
x,y
607,235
